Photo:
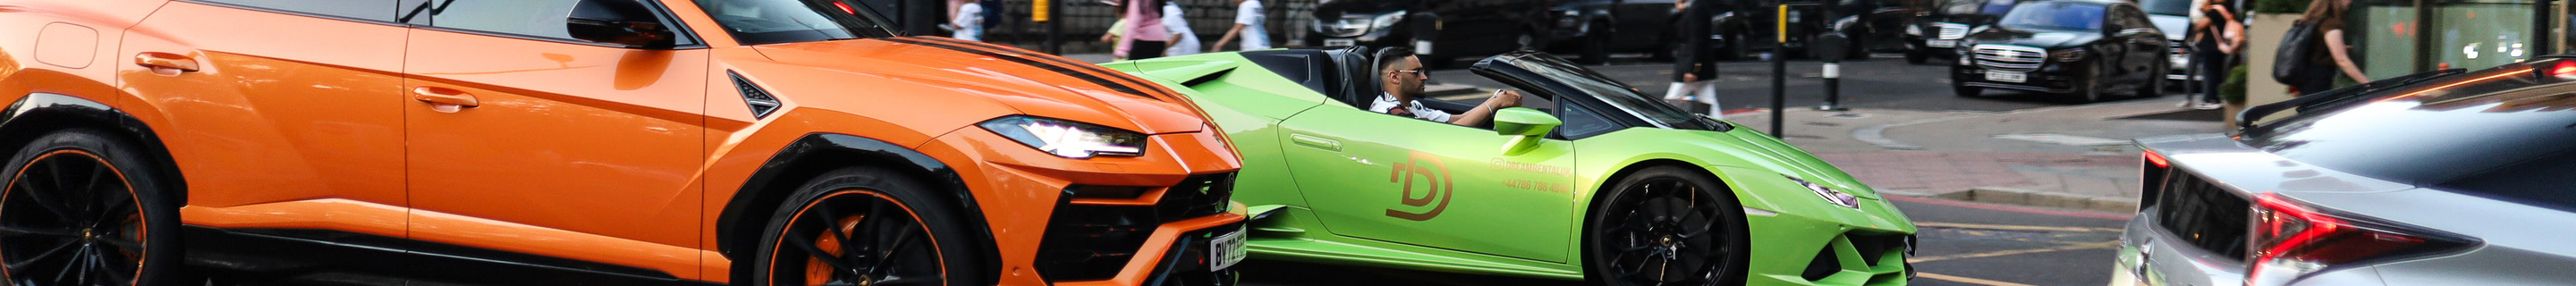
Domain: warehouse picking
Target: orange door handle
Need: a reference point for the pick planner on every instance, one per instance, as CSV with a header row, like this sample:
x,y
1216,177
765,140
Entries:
x,y
447,96
161,60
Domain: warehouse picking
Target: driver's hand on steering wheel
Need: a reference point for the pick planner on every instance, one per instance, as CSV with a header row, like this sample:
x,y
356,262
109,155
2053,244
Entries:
x,y
1506,98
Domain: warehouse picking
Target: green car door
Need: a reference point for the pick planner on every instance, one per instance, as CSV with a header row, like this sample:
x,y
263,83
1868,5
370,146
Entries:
x,y
1403,180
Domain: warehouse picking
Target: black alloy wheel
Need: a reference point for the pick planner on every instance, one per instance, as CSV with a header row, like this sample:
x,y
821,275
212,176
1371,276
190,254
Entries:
x,y
860,227
1738,46
2092,88
2155,84
1667,226
77,211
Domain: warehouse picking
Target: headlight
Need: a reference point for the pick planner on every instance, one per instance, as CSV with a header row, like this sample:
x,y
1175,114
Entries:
x,y
1914,30
2067,55
1386,20
1839,198
1066,138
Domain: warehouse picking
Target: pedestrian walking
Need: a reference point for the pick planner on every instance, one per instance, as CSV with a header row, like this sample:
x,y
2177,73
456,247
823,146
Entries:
x,y
1184,41
1248,17
1695,68
968,21
2216,36
2336,59
1146,36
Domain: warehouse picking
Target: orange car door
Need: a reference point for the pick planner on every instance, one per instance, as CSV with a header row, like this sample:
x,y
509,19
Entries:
x,y
524,140
283,114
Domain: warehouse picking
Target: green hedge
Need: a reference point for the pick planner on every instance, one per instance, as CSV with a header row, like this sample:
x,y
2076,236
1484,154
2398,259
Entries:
x,y
2281,6
2233,90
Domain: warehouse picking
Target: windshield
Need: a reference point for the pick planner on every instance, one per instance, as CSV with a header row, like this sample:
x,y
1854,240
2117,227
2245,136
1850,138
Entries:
x,y
2166,7
1611,91
755,22
1997,7
2055,16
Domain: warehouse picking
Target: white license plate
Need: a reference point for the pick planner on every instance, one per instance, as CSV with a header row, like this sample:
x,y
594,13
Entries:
x,y
1226,250
2005,76
1942,43
1340,42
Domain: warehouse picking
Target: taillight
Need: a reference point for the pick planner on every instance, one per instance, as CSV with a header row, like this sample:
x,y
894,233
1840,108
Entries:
x,y
2158,159
2564,69
2290,240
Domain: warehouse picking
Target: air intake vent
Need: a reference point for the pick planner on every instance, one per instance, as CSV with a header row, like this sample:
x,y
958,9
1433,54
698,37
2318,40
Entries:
x,y
759,100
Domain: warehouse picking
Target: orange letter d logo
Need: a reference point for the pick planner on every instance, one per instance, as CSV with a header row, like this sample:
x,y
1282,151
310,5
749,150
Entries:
x,y
1436,186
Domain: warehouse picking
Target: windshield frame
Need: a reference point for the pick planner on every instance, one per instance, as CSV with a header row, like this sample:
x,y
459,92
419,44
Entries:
x,y
860,22
2100,15
1567,82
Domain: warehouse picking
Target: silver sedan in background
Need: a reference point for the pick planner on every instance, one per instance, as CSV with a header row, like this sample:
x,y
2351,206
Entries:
x,y
2441,178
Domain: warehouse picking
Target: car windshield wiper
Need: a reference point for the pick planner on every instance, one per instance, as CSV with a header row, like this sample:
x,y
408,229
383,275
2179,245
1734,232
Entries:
x,y
2245,119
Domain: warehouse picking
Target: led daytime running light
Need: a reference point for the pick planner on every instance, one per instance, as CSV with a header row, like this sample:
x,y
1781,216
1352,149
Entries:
x,y
1069,139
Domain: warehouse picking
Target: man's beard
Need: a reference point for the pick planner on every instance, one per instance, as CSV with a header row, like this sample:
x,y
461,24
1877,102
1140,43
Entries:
x,y
1411,90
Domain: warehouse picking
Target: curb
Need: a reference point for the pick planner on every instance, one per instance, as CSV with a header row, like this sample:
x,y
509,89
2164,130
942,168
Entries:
x,y
2014,196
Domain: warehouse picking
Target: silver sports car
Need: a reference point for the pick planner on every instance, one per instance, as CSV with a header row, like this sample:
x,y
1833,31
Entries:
x,y
2441,178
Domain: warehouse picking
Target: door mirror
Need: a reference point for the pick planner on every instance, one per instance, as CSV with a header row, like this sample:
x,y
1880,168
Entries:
x,y
618,22
1518,121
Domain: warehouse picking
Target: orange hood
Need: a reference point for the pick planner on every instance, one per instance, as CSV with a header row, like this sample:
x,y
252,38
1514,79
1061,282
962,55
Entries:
x,y
1034,83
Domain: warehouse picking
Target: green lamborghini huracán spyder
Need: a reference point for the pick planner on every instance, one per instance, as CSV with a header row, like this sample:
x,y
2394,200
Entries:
x,y
1589,180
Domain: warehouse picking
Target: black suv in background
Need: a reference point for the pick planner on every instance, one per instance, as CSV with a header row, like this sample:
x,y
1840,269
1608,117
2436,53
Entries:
x,y
2081,47
1938,28
1440,31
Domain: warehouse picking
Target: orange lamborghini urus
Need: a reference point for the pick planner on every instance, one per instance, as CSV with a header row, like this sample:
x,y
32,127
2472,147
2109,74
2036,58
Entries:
x,y
584,142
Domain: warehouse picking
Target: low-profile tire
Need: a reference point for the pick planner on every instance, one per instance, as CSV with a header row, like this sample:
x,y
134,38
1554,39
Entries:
x,y
1666,210
888,217
2154,85
2091,90
83,207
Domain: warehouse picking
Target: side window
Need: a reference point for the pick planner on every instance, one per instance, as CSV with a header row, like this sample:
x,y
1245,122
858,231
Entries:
x,y
364,10
1580,122
532,18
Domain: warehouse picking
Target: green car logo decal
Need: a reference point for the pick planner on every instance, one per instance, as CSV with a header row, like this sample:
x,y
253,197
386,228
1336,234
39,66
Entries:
x,y
1437,185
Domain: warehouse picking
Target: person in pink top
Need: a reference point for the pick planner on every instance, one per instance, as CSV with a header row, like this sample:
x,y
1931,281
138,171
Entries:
x,y
1146,36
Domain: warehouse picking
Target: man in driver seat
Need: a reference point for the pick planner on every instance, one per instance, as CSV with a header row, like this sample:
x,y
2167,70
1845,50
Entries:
x,y
1403,76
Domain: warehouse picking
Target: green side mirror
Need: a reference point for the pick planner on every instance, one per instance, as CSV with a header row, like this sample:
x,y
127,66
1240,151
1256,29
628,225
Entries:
x,y
1518,121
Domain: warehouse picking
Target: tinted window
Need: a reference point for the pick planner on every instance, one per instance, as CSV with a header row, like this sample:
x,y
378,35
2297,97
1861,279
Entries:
x,y
541,18
2497,132
755,22
2545,181
1580,122
2055,16
2166,7
370,10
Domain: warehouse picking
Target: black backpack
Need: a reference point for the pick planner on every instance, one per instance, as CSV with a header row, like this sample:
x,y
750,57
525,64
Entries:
x,y
2290,62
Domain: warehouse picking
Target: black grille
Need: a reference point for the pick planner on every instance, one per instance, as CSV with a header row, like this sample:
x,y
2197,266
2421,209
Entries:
x,y
1093,242
1825,265
2202,214
759,100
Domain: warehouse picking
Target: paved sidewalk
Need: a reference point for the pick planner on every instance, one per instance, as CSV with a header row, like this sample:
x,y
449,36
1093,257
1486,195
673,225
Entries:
x,y
2075,157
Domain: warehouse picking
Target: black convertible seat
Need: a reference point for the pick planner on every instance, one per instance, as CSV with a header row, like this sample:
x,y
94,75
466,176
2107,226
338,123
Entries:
x,y
1341,73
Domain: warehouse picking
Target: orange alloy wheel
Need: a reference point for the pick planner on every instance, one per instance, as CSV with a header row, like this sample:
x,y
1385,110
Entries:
x,y
69,218
856,237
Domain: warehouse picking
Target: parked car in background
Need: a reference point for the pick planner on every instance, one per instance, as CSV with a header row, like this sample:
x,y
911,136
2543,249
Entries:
x,y
2087,48
1441,31
1937,29
1874,26
1593,29
2446,177
2173,17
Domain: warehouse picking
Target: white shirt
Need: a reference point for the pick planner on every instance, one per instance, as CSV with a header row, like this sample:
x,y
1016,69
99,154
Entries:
x,y
1387,102
969,22
1188,43
1255,37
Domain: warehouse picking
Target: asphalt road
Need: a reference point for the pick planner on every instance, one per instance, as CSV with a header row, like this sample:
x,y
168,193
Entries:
x,y
1961,243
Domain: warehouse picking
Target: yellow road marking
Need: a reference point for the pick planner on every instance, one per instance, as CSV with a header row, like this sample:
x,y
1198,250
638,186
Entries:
x,y
2013,227
1966,280
2098,245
